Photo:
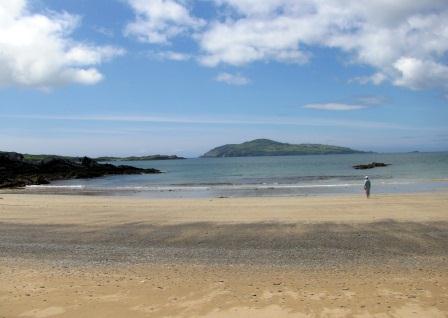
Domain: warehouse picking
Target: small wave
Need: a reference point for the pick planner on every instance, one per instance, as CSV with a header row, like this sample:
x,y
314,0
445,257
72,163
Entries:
x,y
440,179
230,187
156,188
49,186
398,182
191,187
213,187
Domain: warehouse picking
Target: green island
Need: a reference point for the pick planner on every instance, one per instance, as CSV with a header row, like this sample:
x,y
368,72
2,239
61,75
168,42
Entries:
x,y
266,147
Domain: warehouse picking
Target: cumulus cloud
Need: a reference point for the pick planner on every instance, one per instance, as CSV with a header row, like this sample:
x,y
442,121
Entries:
x,y
157,21
418,74
247,40
36,49
405,42
335,106
232,79
376,33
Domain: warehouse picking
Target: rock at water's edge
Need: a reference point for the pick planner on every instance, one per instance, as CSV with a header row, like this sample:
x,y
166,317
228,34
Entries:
x,y
17,172
370,165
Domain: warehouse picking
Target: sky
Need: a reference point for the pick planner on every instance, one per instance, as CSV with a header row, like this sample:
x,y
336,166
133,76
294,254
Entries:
x,y
135,77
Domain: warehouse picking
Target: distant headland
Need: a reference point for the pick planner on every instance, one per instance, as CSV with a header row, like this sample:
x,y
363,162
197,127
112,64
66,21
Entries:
x,y
267,147
140,158
30,157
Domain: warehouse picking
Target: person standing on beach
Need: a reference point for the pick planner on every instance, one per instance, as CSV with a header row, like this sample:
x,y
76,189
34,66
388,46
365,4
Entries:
x,y
367,186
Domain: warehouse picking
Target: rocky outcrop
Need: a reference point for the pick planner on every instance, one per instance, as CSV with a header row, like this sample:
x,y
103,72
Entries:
x,y
17,172
371,165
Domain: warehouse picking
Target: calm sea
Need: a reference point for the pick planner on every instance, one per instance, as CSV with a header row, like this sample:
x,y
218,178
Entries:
x,y
271,176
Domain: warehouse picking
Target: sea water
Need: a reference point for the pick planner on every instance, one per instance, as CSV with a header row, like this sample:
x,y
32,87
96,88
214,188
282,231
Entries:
x,y
271,176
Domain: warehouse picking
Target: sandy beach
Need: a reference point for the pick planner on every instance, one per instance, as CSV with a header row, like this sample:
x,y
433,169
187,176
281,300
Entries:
x,y
344,256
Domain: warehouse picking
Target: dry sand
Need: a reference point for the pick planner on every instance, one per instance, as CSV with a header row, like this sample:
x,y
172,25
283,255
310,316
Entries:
x,y
79,256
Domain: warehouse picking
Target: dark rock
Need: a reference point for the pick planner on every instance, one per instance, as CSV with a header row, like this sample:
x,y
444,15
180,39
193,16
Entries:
x,y
371,165
12,156
16,172
88,162
57,165
41,180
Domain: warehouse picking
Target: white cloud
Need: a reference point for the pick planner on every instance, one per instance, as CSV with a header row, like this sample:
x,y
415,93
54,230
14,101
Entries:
x,y
359,102
252,120
371,100
169,55
157,21
232,79
381,34
376,78
104,31
247,40
397,39
418,74
36,49
335,106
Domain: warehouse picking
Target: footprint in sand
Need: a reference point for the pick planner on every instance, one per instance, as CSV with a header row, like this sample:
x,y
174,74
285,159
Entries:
x,y
42,313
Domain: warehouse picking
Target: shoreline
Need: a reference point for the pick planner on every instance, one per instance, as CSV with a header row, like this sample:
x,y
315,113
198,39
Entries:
x,y
232,191
267,177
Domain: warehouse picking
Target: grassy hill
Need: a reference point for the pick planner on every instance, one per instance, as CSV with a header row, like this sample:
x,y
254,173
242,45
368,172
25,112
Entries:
x,y
266,147
37,158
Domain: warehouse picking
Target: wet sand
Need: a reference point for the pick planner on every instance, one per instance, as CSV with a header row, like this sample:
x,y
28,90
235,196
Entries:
x,y
78,256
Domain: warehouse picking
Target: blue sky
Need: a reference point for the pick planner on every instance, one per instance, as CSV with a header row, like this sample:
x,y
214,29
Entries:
x,y
130,77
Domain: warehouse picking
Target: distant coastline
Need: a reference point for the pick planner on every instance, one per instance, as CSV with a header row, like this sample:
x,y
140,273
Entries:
x,y
141,158
40,157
